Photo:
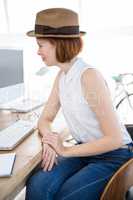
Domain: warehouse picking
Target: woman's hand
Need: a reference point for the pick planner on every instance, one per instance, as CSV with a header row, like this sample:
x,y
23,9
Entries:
x,y
55,141
48,157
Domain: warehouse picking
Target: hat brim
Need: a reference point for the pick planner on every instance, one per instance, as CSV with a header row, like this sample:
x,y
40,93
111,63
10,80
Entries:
x,y
33,34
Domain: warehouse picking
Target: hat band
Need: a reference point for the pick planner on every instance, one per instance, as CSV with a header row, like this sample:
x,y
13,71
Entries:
x,y
65,30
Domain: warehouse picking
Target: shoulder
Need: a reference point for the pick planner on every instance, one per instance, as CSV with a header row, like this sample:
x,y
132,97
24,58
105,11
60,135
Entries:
x,y
93,81
55,87
58,76
92,75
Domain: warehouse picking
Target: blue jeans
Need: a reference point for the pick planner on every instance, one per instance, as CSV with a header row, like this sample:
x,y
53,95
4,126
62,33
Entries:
x,y
76,177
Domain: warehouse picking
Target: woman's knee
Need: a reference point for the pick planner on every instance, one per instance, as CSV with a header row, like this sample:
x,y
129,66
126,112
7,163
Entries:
x,y
37,185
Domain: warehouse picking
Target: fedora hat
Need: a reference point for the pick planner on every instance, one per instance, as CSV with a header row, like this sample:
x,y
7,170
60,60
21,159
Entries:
x,y
56,22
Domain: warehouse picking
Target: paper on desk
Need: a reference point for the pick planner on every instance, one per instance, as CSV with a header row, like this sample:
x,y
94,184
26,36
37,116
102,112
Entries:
x,y
6,164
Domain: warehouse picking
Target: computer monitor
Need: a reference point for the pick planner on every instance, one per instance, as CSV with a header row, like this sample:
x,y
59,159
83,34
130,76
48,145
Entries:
x,y
11,74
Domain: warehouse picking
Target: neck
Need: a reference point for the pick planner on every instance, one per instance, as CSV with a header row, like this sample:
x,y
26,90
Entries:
x,y
67,65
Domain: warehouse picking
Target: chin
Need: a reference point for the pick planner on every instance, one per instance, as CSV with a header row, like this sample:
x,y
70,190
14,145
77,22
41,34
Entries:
x,y
48,64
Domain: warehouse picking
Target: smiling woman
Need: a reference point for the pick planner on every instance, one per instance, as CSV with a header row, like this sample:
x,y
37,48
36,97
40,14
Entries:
x,y
103,144
65,49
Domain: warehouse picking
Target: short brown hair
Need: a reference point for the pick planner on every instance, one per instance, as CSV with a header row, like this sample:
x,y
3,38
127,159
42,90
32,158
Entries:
x,y
66,48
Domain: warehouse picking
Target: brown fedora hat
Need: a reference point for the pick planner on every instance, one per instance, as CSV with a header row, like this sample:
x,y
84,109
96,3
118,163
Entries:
x,y
56,22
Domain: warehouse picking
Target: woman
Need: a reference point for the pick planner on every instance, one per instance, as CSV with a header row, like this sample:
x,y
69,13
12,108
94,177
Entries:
x,y
82,170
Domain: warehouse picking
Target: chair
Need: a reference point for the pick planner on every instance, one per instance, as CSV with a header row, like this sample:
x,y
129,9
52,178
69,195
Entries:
x,y
119,186
120,183
129,127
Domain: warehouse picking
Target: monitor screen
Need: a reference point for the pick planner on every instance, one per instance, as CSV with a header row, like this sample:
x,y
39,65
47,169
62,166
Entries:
x,y
11,67
11,74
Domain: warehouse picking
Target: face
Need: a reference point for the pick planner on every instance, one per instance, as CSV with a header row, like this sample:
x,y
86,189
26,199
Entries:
x,y
47,51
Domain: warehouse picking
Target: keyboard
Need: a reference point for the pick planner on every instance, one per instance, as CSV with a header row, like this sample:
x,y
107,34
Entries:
x,y
23,105
11,136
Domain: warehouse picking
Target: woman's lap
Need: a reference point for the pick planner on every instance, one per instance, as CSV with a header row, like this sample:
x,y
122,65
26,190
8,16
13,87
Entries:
x,y
43,184
88,183
91,180
74,177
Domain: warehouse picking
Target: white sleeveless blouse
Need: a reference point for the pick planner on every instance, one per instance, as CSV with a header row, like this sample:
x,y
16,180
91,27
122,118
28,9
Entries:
x,y
80,118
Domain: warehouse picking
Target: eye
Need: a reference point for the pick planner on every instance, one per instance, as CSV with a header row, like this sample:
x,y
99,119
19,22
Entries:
x,y
40,46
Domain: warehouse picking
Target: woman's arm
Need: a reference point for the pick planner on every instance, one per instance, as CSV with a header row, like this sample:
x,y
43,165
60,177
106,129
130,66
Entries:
x,y
50,110
44,126
98,97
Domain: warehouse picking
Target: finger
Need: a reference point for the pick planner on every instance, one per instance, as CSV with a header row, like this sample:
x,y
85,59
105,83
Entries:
x,y
45,156
46,139
47,163
51,162
43,163
50,141
43,153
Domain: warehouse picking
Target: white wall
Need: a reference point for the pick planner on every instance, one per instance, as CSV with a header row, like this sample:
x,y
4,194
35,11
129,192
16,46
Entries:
x,y
108,44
